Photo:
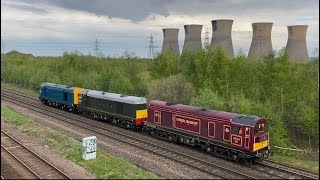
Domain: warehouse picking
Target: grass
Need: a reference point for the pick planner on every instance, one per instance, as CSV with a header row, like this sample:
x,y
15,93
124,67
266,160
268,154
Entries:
x,y
306,164
104,166
303,160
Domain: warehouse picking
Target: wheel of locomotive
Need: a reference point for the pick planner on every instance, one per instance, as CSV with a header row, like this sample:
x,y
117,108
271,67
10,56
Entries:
x,y
170,137
246,161
235,157
152,133
208,149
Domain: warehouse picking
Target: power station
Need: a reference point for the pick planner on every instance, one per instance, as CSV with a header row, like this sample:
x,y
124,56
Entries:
x,y
261,40
170,40
221,36
192,39
261,44
297,44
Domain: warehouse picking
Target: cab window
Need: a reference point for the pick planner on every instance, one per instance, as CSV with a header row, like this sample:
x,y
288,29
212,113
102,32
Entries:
x,y
266,127
256,130
261,127
237,130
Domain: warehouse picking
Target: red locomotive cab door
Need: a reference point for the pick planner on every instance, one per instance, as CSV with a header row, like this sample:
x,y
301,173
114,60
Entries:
x,y
157,117
247,138
211,129
226,132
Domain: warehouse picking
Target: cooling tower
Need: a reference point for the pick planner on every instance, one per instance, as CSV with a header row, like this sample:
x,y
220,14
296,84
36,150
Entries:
x,y
170,40
261,40
192,40
297,44
221,36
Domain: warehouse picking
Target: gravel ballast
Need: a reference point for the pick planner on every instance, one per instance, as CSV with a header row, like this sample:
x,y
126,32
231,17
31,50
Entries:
x,y
162,166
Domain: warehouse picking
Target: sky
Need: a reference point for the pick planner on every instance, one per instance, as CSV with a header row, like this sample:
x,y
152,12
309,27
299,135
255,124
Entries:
x,y
51,27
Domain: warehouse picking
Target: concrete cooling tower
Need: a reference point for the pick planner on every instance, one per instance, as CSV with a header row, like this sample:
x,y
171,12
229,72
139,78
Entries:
x,y
297,44
170,40
261,40
192,40
221,36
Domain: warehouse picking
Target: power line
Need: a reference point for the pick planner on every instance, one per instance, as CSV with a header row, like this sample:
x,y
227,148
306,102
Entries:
x,y
236,35
96,47
151,47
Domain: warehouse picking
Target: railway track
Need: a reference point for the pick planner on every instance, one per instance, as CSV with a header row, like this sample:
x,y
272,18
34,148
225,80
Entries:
x,y
285,172
274,170
35,166
201,165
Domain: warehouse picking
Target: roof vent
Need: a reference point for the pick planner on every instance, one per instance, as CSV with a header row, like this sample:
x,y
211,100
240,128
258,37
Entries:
x,y
123,95
103,92
203,109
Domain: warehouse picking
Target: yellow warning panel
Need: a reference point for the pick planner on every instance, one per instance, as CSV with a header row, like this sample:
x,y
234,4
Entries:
x,y
141,114
76,92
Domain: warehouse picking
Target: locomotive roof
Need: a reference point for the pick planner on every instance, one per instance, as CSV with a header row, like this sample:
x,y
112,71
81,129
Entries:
x,y
115,97
59,86
250,120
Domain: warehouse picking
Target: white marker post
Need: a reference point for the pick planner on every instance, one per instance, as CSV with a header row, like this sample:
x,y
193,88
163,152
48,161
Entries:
x,y
89,148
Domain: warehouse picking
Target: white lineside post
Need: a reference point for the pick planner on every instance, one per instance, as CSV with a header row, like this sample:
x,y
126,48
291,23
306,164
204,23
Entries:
x,y
89,148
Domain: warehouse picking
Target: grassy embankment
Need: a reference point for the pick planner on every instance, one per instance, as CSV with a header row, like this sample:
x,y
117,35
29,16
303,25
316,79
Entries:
x,y
105,166
294,159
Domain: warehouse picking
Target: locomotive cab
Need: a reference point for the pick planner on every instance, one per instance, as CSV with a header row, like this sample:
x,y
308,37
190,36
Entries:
x,y
254,134
261,140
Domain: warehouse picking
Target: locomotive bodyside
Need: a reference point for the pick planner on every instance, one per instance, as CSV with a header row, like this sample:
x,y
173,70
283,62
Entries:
x,y
126,111
215,131
57,95
60,96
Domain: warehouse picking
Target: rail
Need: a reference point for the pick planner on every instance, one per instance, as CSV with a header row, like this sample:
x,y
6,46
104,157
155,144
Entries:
x,y
13,149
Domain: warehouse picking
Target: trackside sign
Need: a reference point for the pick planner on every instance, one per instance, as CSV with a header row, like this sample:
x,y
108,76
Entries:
x,y
89,147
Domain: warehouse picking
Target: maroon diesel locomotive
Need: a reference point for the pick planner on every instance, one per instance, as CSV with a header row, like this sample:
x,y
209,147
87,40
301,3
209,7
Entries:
x,y
243,138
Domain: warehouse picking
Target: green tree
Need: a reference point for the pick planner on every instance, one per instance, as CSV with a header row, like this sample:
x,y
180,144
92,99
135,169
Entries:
x,y
120,84
166,64
175,89
209,99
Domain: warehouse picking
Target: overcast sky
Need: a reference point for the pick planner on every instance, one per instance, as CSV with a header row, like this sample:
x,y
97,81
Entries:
x,y
50,27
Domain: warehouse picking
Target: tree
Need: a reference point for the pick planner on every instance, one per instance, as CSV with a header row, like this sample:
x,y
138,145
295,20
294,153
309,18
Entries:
x,y
166,64
175,89
209,99
120,84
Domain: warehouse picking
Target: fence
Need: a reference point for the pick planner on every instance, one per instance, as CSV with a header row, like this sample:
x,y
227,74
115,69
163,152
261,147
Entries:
x,y
312,155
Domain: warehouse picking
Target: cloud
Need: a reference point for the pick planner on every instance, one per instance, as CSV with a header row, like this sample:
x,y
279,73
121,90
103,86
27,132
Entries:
x,y
134,10
121,25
